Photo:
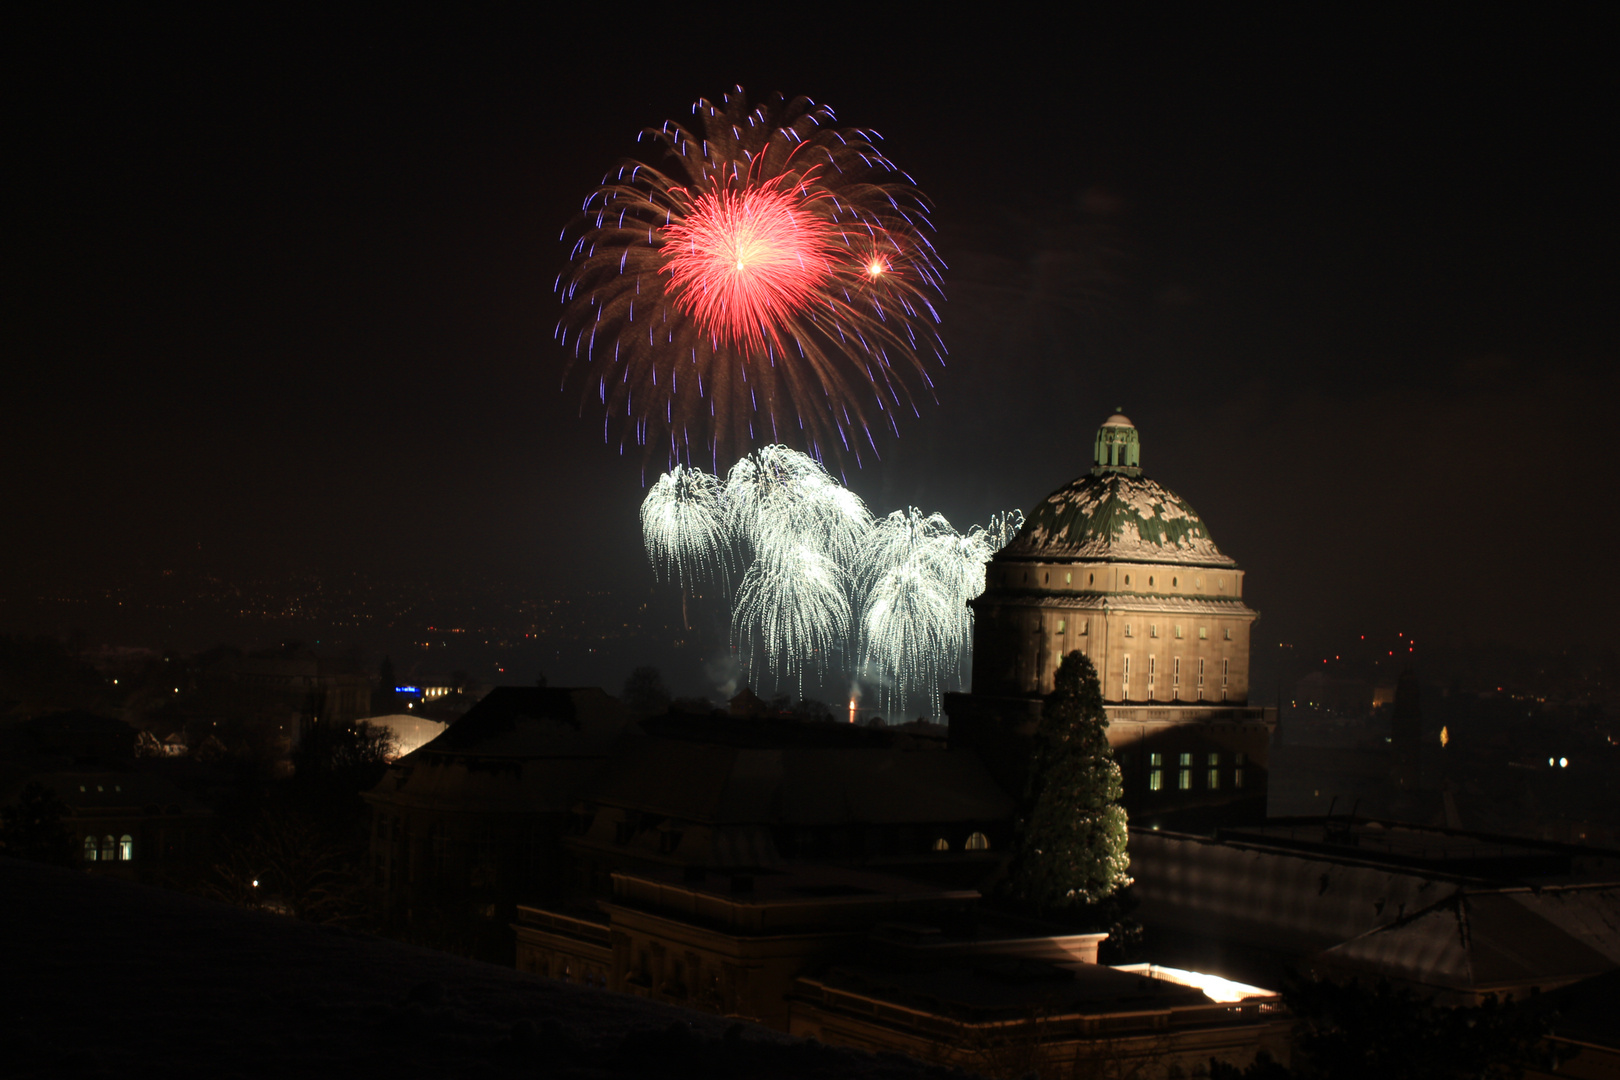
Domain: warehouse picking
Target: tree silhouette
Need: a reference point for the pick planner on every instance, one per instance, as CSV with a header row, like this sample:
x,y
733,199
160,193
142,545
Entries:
x,y
33,827
1070,846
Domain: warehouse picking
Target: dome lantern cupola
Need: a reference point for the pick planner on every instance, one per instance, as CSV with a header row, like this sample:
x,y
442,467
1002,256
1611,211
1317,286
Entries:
x,y
1119,449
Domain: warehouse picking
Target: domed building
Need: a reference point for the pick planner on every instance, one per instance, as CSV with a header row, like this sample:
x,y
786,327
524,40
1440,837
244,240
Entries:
x,y
1122,569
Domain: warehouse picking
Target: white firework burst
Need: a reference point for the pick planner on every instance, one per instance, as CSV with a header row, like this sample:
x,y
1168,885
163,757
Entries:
x,y
685,528
792,610
825,582
912,630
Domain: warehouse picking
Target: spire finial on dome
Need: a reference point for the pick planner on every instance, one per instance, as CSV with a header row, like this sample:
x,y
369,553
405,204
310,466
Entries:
x,y
1119,448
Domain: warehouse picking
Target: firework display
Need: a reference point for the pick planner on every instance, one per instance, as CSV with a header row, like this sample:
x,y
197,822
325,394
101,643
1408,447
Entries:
x,y
769,278
828,587
685,528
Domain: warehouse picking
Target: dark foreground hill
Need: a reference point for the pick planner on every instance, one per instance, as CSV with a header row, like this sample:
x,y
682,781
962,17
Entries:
x,y
106,978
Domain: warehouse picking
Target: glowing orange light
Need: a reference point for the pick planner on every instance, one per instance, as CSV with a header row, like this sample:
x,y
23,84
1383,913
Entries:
x,y
742,263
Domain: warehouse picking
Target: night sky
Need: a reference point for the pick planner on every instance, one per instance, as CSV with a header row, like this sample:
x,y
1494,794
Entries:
x,y
280,291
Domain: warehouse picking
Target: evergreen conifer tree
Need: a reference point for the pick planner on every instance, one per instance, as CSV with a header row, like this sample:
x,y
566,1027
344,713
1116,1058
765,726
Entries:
x,y
1071,837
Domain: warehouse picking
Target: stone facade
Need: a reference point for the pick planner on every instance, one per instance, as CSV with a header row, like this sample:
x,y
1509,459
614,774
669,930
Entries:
x,y
1122,570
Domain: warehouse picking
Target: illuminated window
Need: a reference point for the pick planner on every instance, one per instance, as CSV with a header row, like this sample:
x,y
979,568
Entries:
x,y
108,851
1068,579
1155,779
89,849
1155,760
1184,780
978,842
1214,779
126,847
1203,633
942,844
1214,758
1237,777
1062,623
1184,760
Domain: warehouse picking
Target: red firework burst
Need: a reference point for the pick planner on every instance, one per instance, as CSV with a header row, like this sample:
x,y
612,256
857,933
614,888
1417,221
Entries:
x,y
743,263
773,282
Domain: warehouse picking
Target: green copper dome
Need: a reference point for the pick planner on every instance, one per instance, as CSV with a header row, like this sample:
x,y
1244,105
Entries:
x,y
1114,512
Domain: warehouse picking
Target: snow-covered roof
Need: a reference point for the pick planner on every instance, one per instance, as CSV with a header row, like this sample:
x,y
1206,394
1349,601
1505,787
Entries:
x,y
1116,516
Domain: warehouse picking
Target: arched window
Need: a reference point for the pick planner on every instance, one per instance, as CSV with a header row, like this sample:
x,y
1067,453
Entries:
x,y
126,847
978,842
108,852
942,844
89,849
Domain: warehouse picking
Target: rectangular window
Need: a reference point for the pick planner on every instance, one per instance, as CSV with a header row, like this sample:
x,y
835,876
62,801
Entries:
x,y
1155,760
1184,780
1237,758
1153,670
1085,627
1061,624
1228,633
1175,672
1226,666
1184,760
1127,629
1214,779
1153,630
1203,633
1237,777
1214,758
1200,672
1178,630
1156,780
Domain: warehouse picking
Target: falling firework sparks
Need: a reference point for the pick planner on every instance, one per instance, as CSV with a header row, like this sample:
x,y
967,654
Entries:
x,y
777,497
914,622
793,609
684,528
773,277
824,576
